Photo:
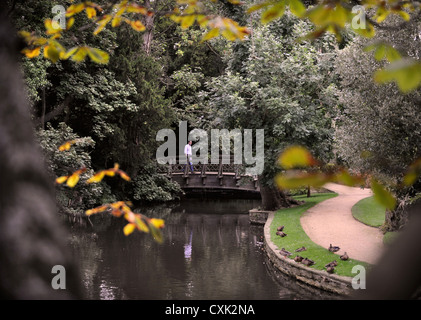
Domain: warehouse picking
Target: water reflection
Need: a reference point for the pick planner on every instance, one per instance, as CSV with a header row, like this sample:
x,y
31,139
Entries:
x,y
210,251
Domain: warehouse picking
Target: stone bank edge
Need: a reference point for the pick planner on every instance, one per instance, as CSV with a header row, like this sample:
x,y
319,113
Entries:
x,y
333,283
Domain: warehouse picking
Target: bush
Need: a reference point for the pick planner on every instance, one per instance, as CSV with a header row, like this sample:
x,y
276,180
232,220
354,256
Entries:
x,y
152,186
72,201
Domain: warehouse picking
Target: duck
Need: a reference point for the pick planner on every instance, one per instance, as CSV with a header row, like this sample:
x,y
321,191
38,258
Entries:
x,y
280,233
330,269
301,249
307,262
344,256
334,248
298,259
281,228
331,264
284,252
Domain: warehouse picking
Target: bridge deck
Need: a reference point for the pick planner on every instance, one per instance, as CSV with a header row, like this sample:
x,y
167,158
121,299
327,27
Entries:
x,y
223,176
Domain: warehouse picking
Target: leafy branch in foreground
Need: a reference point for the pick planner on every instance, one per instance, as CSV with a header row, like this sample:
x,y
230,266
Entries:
x,y
302,169
136,220
117,209
334,16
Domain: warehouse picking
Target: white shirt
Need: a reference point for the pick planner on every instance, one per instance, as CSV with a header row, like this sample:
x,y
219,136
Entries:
x,y
187,150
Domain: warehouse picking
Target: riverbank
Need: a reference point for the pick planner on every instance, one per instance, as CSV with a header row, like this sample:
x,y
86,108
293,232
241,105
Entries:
x,y
338,282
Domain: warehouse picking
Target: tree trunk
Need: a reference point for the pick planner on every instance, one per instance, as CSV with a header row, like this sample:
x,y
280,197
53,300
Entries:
x,y
396,219
273,198
149,25
32,241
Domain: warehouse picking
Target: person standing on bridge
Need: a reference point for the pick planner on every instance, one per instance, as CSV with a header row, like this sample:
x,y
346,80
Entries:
x,y
188,153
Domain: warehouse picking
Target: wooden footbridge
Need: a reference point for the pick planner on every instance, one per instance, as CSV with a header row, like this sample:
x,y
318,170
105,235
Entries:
x,y
224,177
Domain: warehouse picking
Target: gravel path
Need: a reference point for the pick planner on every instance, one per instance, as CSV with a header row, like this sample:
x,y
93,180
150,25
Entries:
x,y
331,222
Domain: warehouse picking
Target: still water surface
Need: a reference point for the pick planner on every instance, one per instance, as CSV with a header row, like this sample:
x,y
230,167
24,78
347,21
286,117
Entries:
x,y
210,251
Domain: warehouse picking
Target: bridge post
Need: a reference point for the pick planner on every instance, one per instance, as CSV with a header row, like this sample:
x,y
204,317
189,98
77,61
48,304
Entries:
x,y
203,173
220,172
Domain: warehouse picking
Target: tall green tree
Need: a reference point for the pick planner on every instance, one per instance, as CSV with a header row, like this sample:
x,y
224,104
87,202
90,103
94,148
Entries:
x,y
285,90
378,128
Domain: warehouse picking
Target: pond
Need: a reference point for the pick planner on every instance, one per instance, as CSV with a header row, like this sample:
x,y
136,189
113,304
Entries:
x,y
210,251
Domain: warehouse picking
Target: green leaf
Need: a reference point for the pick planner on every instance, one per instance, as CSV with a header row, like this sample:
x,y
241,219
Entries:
x,y
257,7
156,233
299,180
405,72
346,178
80,54
211,34
383,50
98,56
413,173
405,16
367,32
382,196
273,12
296,156
69,53
297,8
51,53
187,21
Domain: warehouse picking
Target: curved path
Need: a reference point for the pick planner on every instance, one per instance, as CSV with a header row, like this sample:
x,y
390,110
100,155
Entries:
x,y
331,222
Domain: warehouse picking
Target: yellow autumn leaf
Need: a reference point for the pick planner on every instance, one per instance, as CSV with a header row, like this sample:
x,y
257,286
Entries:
x,y
73,180
96,177
130,216
110,173
66,146
136,9
124,175
137,25
129,228
61,179
116,22
90,12
157,223
70,23
102,23
52,28
96,210
74,9
32,53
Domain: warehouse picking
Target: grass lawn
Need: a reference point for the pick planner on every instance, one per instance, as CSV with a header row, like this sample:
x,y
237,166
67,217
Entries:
x,y
389,237
369,212
296,237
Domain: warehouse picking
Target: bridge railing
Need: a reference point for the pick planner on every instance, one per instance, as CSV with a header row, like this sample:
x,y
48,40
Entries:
x,y
225,165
